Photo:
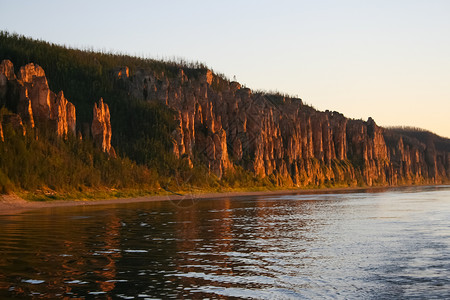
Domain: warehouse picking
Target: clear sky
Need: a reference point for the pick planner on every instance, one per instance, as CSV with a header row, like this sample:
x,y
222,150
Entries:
x,y
386,59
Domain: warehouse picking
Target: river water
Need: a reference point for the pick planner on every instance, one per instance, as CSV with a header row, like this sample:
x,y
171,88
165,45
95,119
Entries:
x,y
392,244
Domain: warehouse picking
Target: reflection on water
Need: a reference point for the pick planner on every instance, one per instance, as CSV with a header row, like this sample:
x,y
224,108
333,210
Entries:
x,y
392,244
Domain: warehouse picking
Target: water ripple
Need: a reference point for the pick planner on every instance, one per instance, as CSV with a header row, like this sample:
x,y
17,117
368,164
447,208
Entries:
x,y
392,245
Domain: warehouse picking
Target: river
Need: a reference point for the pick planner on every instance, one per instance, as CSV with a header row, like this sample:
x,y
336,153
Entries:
x,y
389,244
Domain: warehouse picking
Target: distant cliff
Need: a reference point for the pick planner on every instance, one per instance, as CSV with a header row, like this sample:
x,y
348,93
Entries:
x,y
186,125
277,136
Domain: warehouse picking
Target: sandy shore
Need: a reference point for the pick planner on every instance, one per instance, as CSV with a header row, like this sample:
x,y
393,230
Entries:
x,y
13,204
10,204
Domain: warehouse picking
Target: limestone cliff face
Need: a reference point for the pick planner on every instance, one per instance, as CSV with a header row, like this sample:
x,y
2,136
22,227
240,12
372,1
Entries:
x,y
413,159
278,136
29,96
200,128
7,70
29,72
226,125
101,127
32,102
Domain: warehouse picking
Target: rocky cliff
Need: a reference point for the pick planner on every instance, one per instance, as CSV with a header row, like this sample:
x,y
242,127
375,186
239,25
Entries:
x,y
225,125
29,96
32,103
101,127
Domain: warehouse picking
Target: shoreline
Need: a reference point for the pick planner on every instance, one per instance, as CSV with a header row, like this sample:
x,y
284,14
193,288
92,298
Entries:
x,y
11,204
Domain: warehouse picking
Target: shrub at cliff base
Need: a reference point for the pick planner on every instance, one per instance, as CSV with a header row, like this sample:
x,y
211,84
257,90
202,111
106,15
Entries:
x,y
48,163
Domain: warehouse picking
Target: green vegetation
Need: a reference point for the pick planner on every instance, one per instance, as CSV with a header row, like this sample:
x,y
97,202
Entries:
x,y
50,165
415,136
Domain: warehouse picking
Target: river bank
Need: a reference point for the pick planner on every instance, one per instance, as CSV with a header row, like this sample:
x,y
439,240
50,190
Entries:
x,y
11,204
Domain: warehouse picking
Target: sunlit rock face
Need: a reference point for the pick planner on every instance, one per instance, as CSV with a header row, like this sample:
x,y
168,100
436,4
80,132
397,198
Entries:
x,y
101,127
7,69
32,102
122,73
223,124
63,112
29,72
30,97
226,124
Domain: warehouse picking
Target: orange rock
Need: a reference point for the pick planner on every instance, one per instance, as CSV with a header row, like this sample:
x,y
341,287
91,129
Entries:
x,y
41,98
282,136
34,101
209,77
29,72
24,107
71,118
7,69
101,126
63,113
123,73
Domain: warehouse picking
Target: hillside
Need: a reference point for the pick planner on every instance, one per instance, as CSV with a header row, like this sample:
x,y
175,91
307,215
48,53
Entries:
x,y
185,126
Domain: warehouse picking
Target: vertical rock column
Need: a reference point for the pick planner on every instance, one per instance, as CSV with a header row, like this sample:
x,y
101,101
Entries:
x,y
63,112
101,127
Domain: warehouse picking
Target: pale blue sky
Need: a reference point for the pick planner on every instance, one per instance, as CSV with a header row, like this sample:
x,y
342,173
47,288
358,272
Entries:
x,y
388,59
